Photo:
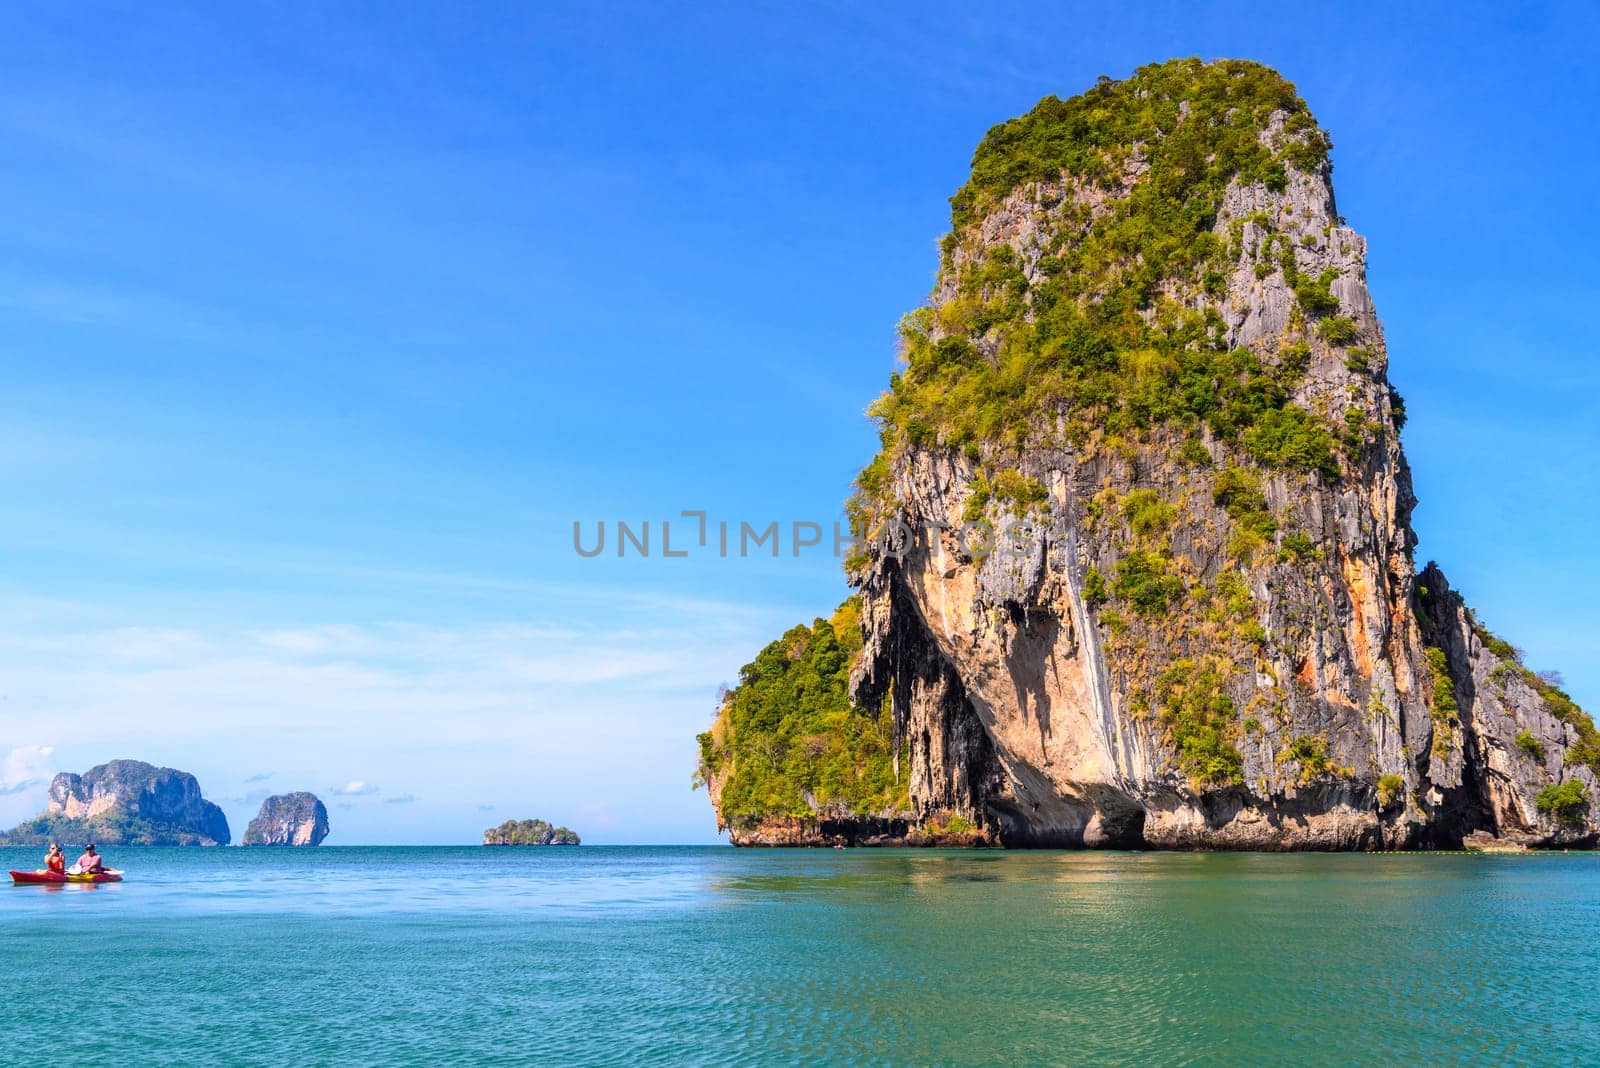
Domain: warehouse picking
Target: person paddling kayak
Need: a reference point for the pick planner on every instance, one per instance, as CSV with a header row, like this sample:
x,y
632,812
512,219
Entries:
x,y
88,864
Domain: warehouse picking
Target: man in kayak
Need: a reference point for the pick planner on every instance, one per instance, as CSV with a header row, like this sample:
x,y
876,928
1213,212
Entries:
x,y
54,861
89,863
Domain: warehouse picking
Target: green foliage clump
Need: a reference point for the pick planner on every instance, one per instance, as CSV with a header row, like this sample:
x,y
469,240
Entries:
x,y
1293,358
1397,409
979,494
1529,744
1390,788
1239,493
1338,330
1298,545
1358,360
1192,156
1021,493
1147,514
1355,424
789,729
114,826
1563,801
1316,294
1290,437
1234,594
954,823
1502,673
1194,454
1444,708
1497,646
1146,583
1096,592
1310,751
1202,720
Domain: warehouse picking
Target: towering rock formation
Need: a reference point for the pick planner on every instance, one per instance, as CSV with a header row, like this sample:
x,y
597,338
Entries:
x,y
126,802
1144,573
297,819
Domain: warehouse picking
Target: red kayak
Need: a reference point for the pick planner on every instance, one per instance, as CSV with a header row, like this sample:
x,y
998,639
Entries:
x,y
21,878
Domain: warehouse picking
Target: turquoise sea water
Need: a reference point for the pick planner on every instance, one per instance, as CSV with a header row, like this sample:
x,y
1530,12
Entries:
x,y
715,955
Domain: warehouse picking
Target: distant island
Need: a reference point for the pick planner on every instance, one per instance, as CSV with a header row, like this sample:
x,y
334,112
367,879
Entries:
x,y
297,819
125,802
529,833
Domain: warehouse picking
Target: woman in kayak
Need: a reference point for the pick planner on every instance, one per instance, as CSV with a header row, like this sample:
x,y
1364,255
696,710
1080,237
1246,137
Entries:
x,y
54,861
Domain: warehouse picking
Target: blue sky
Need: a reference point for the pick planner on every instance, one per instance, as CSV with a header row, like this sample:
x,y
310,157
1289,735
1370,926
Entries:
x,y
320,325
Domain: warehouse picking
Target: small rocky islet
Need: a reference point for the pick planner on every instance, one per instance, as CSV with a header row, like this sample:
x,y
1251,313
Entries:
x,y
1150,360
530,833
297,819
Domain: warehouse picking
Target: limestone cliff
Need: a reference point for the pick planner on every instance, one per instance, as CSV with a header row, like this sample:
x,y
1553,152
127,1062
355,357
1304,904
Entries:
x,y
1142,572
1147,576
126,802
297,819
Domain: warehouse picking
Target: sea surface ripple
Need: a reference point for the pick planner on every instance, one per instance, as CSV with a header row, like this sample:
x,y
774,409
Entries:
x,y
664,955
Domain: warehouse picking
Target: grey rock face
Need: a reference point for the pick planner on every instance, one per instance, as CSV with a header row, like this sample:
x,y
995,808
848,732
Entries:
x,y
1017,704
297,819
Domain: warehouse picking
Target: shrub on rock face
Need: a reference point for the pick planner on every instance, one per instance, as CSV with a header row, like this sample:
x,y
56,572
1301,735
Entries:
x,y
1564,801
1337,330
1530,745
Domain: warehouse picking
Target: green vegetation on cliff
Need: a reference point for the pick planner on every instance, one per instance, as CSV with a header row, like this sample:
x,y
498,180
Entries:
x,y
788,742
114,827
1202,720
1102,329
1095,134
1564,801
1556,701
1443,707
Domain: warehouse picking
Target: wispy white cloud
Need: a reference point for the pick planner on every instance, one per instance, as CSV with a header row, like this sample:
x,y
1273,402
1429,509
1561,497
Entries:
x,y
25,773
400,799
545,716
25,765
